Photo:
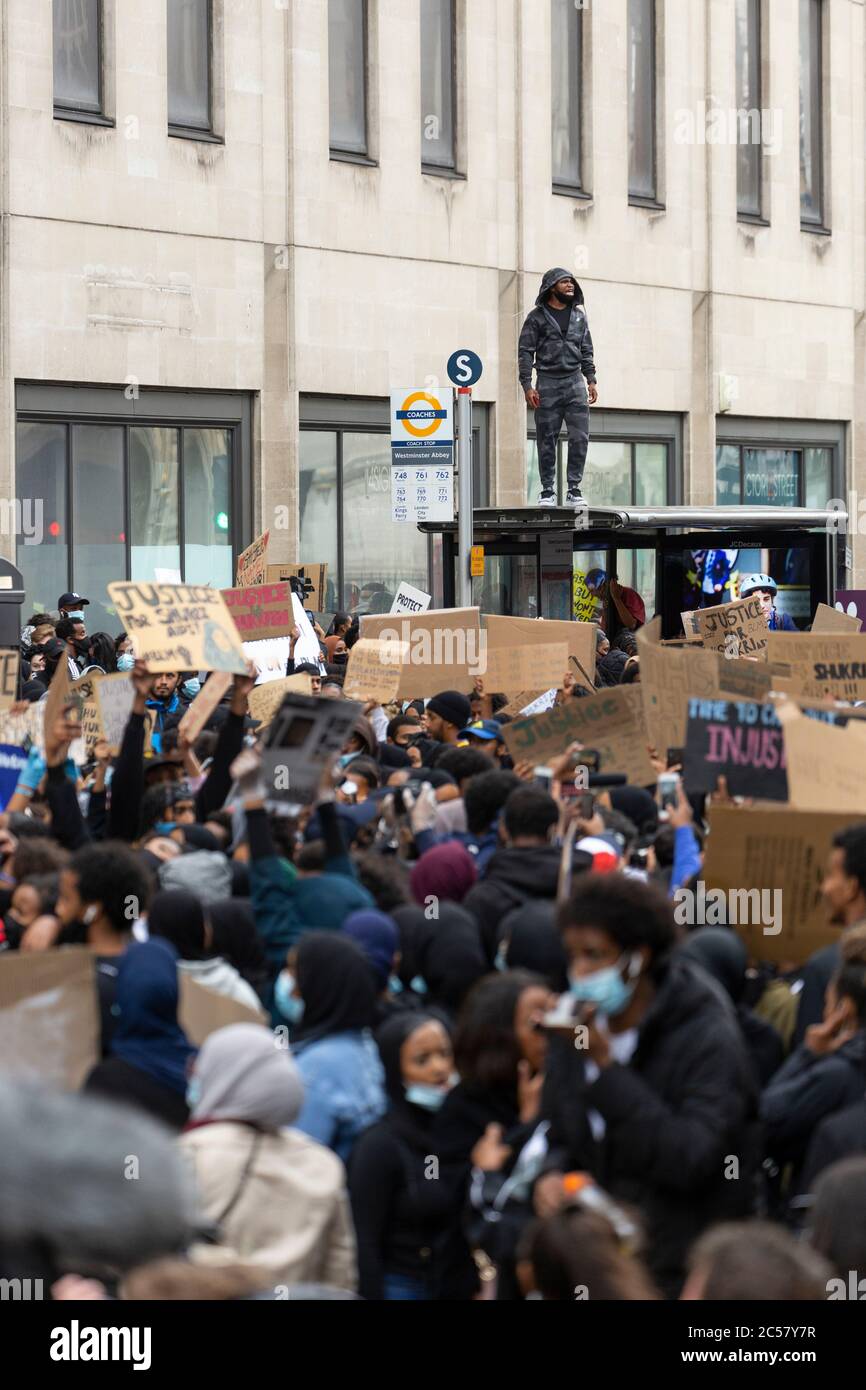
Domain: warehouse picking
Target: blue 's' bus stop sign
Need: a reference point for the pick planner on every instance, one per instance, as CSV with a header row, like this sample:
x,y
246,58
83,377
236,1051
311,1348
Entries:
x,y
465,367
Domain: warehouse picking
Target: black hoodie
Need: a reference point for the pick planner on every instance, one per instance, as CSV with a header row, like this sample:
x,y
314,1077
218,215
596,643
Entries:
x,y
513,877
543,344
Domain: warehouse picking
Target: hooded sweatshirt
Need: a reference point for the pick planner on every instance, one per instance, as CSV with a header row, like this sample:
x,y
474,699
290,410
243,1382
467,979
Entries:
x,y
543,344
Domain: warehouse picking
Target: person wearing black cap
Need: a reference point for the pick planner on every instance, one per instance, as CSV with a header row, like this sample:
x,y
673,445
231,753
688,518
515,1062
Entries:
x,y
72,606
400,1216
447,713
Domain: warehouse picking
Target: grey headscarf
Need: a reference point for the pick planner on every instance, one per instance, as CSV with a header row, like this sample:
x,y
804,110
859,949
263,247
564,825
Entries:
x,y
245,1074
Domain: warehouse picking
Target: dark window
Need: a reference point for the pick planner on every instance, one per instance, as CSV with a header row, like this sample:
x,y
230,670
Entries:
x,y
347,75
566,93
641,100
437,84
189,66
749,123
759,475
811,118
78,56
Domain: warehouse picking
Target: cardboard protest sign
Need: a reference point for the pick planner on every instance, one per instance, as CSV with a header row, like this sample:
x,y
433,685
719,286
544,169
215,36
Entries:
x,y
781,853
374,670
822,666
580,639
252,563
261,611
58,694
738,740
738,629
446,648
265,700
49,1016
179,627
515,668
115,695
201,1011
543,702
690,626
269,658
829,619
8,678
611,721
668,676
24,728
204,704
12,763
83,693
410,600
315,576
305,737
826,766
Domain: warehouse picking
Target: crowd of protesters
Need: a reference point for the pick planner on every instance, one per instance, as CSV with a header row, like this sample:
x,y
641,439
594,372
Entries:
x,y
488,1063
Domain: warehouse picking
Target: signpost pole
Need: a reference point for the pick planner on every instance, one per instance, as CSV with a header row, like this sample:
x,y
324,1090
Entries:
x,y
465,532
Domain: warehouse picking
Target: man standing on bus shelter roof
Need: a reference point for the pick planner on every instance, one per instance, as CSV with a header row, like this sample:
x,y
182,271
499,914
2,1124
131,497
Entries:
x,y
556,341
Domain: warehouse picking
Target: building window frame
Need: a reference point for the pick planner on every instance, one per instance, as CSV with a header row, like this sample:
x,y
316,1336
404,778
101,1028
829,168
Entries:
x,y
819,224
339,153
88,113
179,130
795,436
566,187
70,405
633,428
342,415
651,200
755,25
433,168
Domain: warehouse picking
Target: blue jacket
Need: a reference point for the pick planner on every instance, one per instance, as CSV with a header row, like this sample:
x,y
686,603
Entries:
x,y
168,714
344,1088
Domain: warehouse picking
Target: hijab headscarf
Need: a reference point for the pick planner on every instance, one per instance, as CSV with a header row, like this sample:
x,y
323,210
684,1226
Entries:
x,y
178,917
721,953
446,872
148,1035
235,939
242,1076
444,952
411,1121
376,934
534,943
336,985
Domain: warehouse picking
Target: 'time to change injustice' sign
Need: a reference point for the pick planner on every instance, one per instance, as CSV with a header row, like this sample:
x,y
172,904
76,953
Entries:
x,y
179,627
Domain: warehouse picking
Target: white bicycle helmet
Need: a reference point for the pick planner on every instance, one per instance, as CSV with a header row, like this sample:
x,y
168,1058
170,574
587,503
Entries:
x,y
757,581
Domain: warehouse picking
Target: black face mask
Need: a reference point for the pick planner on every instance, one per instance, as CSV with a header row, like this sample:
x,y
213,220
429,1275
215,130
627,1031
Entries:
x,y
341,660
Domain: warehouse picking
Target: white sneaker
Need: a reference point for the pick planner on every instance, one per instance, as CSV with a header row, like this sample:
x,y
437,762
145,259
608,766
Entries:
x,y
547,499
574,499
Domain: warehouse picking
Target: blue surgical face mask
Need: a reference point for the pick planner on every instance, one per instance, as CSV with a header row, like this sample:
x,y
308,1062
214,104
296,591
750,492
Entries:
x,y
395,984
287,1002
125,661
346,758
418,985
164,827
501,961
428,1097
606,988
192,687
76,617
193,1092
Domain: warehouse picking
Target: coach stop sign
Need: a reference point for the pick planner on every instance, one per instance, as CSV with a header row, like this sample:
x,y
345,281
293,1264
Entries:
x,y
422,456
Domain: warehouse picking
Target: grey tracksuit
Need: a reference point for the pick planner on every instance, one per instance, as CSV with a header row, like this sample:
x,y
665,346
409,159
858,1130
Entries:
x,y
563,364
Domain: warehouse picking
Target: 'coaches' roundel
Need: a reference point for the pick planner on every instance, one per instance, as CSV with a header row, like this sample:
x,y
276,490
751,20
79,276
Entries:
x,y
421,415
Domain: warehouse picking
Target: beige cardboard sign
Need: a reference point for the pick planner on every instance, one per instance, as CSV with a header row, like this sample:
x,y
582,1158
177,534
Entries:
x,y
265,700
252,563
26,725
826,765
374,670
822,667
8,678
204,704
83,693
179,627
316,574
580,639
669,677
49,1016
690,626
261,611
739,628
829,619
611,721
58,694
515,668
783,853
447,648
201,1011
115,696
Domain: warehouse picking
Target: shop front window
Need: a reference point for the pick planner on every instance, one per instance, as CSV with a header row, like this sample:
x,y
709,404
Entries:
x,y
773,476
